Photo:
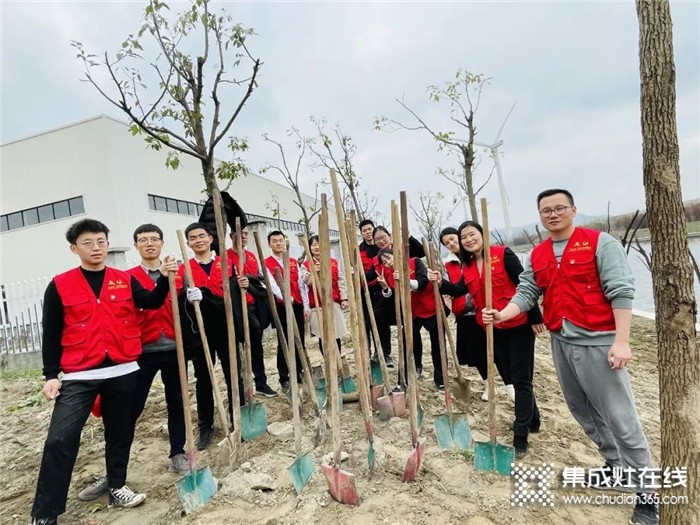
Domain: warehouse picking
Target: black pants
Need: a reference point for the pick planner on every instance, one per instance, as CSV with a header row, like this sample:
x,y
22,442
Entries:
x,y
257,352
337,342
430,324
374,297
515,348
385,314
205,394
166,363
70,412
471,348
282,367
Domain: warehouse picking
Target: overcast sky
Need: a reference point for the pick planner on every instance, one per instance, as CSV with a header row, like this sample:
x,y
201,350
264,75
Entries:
x,y
572,68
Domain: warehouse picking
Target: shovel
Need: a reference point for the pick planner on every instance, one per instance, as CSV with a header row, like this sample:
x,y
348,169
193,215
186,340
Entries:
x,y
414,459
491,455
253,415
450,432
355,313
199,486
320,423
341,484
303,467
230,438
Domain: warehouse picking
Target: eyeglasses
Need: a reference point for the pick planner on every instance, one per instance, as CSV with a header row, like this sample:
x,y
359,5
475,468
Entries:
x,y
99,242
559,210
148,240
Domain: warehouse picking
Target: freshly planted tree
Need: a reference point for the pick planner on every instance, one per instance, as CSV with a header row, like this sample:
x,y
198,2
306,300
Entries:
x,y
170,79
463,96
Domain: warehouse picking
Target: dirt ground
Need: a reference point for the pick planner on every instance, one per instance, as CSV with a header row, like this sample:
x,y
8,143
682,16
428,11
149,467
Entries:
x,y
447,491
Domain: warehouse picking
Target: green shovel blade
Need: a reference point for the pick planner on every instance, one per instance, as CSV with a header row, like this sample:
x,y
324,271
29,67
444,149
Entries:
x,y
452,433
301,471
196,489
376,373
253,421
496,457
348,385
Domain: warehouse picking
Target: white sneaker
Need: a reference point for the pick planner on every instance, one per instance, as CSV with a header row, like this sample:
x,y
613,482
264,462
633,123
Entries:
x,y
510,392
125,497
485,395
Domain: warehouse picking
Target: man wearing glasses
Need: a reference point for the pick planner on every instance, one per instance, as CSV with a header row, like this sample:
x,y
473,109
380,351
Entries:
x,y
588,287
91,336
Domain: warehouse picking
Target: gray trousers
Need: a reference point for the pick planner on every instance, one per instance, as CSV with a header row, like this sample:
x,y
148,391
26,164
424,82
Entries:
x,y
601,400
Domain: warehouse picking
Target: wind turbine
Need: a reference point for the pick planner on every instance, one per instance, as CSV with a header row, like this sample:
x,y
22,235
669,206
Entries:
x,y
493,149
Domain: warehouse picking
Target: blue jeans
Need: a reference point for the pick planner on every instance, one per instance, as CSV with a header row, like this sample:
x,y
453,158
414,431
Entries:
x,y
149,365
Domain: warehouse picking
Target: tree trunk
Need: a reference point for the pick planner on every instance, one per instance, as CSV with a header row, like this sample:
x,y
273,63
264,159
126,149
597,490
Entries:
x,y
469,182
679,356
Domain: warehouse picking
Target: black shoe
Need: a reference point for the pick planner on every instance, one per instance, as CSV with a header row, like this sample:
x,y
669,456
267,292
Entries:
x,y
646,511
44,521
440,388
520,446
284,385
205,435
389,361
265,390
419,372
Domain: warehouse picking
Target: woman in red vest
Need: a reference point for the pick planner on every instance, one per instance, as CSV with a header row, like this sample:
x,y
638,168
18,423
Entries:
x,y
514,341
340,294
422,309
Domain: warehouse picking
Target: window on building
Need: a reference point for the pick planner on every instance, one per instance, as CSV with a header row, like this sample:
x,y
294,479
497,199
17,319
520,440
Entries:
x,y
43,213
158,203
61,209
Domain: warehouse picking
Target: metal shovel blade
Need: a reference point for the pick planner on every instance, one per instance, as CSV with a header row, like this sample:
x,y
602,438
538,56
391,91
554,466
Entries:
x,y
348,385
493,456
196,489
341,485
398,400
320,387
452,433
253,421
301,471
414,462
376,370
376,391
386,408
421,415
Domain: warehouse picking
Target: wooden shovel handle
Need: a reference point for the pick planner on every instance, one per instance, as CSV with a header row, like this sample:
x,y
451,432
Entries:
x,y
489,327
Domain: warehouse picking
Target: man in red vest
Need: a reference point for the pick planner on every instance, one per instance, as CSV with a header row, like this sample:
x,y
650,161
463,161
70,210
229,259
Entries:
x,y
300,302
587,289
158,342
252,271
91,335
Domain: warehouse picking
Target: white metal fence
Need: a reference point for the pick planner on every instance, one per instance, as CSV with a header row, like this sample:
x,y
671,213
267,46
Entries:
x,y
20,315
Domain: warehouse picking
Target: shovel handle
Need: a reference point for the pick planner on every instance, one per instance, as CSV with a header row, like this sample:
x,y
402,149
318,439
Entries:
x,y
489,327
247,362
182,369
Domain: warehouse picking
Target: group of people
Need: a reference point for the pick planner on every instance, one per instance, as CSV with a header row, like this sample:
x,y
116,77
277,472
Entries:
x,y
108,332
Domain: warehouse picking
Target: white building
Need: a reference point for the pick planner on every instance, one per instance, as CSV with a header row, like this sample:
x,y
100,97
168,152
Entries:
x,y
96,168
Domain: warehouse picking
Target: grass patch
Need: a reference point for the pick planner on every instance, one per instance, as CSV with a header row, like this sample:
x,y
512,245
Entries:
x,y
21,374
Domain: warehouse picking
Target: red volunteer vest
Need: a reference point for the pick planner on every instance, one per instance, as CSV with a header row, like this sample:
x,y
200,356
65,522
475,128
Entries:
x,y
153,323
454,273
95,328
335,272
272,263
571,289
214,281
423,301
367,264
250,267
502,288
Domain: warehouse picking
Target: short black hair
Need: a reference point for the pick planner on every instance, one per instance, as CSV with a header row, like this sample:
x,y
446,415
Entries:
x,y
554,191
467,257
274,233
314,238
448,231
365,223
85,226
197,226
380,229
148,228
383,252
